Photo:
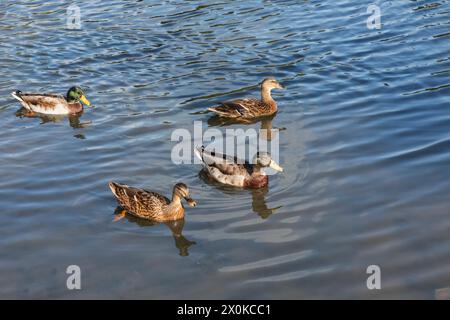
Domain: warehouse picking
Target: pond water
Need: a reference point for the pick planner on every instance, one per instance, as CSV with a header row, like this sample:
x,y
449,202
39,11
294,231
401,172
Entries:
x,y
365,148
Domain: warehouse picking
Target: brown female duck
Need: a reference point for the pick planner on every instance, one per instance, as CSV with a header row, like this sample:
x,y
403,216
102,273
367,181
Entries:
x,y
251,107
228,170
151,205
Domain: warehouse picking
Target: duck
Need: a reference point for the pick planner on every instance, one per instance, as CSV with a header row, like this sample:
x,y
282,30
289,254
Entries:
x,y
54,104
251,108
151,205
231,171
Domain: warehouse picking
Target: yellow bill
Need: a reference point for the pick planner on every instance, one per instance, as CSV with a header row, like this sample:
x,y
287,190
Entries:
x,y
85,100
275,166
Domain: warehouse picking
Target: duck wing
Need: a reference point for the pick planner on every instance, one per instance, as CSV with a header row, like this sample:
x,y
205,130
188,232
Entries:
x,y
225,164
42,103
240,108
140,202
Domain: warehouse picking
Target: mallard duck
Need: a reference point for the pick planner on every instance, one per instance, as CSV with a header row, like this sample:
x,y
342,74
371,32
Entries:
x,y
251,107
151,205
228,170
45,103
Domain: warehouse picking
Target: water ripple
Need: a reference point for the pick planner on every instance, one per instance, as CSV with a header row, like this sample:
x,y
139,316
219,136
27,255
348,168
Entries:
x,y
364,144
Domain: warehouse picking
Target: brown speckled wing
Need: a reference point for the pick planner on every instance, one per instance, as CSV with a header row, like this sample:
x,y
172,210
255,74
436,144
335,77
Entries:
x,y
46,100
243,108
234,169
44,103
139,202
240,108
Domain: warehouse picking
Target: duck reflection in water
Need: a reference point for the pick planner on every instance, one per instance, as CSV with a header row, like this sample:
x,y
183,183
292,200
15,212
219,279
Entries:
x,y
267,131
176,227
74,119
259,203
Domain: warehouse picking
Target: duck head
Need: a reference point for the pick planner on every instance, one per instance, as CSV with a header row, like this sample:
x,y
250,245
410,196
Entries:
x,y
271,83
75,94
181,191
264,160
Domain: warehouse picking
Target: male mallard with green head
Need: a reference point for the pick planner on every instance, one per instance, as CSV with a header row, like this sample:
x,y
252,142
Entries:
x,y
151,205
53,103
228,170
251,107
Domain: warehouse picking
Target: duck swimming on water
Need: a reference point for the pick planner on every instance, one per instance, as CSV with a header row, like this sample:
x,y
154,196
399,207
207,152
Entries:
x,y
46,103
251,108
151,205
229,171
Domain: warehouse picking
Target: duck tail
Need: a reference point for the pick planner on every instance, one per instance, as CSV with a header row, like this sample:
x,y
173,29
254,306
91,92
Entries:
x,y
198,151
16,94
114,186
217,111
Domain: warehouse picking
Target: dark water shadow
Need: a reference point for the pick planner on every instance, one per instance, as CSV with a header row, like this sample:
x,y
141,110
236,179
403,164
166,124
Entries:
x,y
74,119
268,131
259,203
176,227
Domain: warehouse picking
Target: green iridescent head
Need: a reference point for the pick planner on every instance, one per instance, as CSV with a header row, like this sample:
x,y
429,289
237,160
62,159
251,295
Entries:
x,y
75,94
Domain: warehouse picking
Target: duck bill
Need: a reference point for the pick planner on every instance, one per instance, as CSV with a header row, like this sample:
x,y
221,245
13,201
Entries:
x,y
190,202
280,86
85,100
275,166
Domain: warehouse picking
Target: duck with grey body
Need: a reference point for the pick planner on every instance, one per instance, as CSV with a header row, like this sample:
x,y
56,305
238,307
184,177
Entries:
x,y
229,171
